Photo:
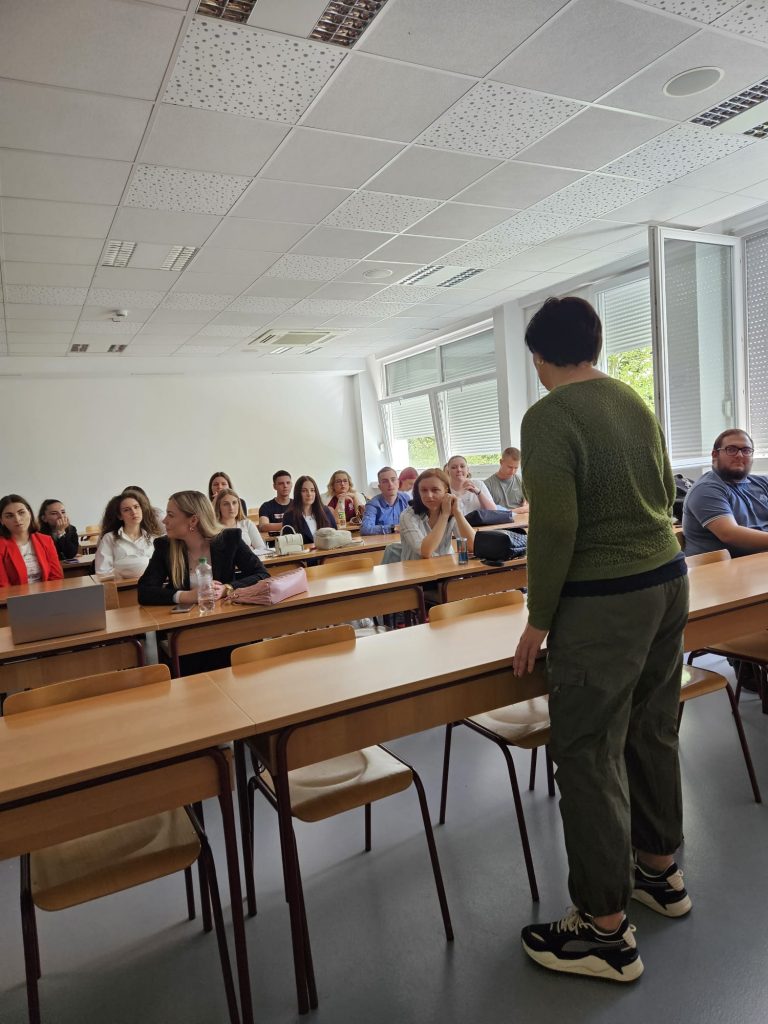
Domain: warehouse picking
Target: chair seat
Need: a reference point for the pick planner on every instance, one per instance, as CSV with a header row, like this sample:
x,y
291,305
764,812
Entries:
x,y
698,681
342,783
752,647
96,865
523,725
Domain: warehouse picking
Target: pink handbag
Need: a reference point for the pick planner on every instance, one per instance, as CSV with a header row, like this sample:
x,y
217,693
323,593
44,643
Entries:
x,y
273,590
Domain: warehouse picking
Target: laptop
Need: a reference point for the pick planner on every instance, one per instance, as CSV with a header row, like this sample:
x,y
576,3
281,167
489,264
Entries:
x,y
56,613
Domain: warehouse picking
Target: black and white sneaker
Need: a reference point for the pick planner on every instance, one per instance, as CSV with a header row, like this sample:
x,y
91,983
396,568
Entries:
x,y
664,892
576,946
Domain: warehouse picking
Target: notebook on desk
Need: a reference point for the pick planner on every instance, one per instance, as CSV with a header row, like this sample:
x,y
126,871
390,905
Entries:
x,y
56,613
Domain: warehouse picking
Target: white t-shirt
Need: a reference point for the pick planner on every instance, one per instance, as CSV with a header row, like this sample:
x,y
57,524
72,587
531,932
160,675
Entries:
x,y
121,556
469,502
34,575
312,524
414,528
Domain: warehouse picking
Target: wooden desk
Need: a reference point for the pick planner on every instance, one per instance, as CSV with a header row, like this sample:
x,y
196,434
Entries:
x,y
80,566
24,589
728,599
127,589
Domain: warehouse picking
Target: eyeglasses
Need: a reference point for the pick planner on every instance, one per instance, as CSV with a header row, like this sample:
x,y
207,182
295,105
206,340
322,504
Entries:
x,y
732,449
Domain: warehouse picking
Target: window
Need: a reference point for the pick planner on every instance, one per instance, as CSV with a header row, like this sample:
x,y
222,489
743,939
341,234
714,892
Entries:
x,y
625,310
756,253
411,432
413,373
471,417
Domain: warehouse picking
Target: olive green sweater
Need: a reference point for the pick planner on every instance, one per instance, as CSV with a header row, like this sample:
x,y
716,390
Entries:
x,y
600,487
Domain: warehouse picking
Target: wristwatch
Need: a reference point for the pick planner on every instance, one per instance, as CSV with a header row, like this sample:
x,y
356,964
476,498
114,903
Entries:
x,y
228,590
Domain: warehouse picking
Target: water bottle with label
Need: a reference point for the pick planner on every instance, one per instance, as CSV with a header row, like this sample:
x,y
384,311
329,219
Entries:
x,y
205,599
341,514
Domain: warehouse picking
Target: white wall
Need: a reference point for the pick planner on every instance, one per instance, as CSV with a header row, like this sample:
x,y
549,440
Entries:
x,y
82,440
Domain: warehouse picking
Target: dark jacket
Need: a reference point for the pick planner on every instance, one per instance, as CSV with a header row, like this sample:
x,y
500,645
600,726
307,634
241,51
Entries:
x,y
68,544
296,519
232,561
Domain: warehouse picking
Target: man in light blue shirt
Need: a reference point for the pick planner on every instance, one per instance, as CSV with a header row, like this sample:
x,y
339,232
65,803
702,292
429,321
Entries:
x,y
728,507
382,513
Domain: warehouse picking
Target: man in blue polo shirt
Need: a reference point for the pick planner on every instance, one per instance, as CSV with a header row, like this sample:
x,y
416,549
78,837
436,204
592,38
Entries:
x,y
728,507
382,513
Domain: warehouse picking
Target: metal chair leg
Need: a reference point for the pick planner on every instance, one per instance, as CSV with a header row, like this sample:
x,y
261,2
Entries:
x,y
744,746
521,823
680,714
205,897
446,765
433,856
245,808
532,777
29,939
190,893
550,771
221,934
367,828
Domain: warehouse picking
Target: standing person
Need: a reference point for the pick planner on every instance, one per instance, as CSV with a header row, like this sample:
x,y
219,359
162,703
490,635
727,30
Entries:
x,y
382,513
54,521
128,531
433,520
307,513
472,494
272,511
26,554
506,484
607,582
226,506
218,482
341,488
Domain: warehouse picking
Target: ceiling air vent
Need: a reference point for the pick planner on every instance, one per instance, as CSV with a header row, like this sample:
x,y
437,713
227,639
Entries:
x,y
344,21
459,278
291,339
78,348
420,275
118,254
743,114
227,10
178,257
117,348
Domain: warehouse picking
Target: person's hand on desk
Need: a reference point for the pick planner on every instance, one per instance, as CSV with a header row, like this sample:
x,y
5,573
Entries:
x,y
521,509
528,647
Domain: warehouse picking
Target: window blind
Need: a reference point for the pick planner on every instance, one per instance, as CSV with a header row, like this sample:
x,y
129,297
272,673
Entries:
x,y
756,253
413,373
411,417
472,419
626,314
468,357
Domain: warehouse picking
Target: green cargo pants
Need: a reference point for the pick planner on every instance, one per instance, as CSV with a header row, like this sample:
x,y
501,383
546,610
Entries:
x,y
614,665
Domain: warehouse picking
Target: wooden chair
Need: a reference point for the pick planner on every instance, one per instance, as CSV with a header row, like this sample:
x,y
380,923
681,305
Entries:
x,y
338,565
80,846
524,725
326,789
483,584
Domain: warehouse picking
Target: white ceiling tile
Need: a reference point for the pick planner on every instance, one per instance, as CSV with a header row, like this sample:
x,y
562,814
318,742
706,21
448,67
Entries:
x,y
435,33
748,19
292,286
322,307
38,344
163,227
185,317
45,249
288,202
351,319
517,185
421,171
45,296
56,274
586,263
206,140
397,271
188,300
122,329
323,158
104,314
41,326
743,64
520,232
664,204
414,249
384,100
460,220
241,70
65,178
497,120
597,234
37,217
125,297
721,209
171,188
240,233
139,280
230,331
583,52
258,304
294,17
592,138
38,311
378,211
592,196
200,350
308,268
704,11
177,332
213,282
77,123
346,291
232,261
733,173
758,190
128,46
677,152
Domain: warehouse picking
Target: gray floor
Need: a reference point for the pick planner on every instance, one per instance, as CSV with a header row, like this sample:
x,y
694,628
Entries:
x,y
380,954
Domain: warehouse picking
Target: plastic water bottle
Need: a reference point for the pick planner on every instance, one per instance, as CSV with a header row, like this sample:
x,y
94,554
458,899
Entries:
x,y
205,599
341,514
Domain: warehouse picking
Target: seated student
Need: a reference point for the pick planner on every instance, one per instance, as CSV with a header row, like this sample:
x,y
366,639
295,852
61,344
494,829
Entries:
x,y
272,511
218,482
472,494
433,520
226,506
341,488
53,520
307,514
382,513
159,512
192,533
406,480
728,506
26,554
506,484
128,531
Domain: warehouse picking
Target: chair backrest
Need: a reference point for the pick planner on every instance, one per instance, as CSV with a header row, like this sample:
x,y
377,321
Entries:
x,y
91,530
474,604
341,563
111,596
484,583
85,686
278,645
722,555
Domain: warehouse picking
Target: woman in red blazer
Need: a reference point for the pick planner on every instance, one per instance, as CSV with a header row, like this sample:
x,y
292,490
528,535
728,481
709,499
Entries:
x,y
26,555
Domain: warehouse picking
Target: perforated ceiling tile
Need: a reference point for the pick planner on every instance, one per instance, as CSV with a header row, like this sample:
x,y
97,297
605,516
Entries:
x,y
45,296
410,293
497,120
379,211
682,149
380,306
309,268
226,331
704,11
190,300
120,297
748,19
260,304
107,327
241,70
322,307
171,188
591,197
526,229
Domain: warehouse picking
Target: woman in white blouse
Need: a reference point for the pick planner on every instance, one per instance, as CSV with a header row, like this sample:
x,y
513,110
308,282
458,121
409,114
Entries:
x,y
433,519
128,531
471,494
228,509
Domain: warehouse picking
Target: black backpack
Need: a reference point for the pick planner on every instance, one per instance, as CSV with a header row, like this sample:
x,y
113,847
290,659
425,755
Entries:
x,y
499,545
682,486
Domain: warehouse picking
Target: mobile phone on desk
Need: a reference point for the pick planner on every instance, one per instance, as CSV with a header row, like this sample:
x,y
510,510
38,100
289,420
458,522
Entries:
x,y
181,609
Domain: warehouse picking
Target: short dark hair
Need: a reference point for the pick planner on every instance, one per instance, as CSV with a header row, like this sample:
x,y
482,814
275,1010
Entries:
x,y
280,472
565,332
386,469
726,433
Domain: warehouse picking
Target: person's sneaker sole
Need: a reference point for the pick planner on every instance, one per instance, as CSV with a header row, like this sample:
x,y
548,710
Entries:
x,y
589,966
678,909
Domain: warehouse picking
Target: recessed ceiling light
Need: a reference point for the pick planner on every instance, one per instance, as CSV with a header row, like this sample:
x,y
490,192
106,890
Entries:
x,y
742,114
420,275
179,256
689,83
459,278
344,21
117,254
227,10
377,275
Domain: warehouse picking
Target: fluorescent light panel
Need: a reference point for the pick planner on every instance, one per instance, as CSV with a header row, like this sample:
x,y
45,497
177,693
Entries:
x,y
227,10
458,278
118,254
78,348
419,275
117,348
734,106
344,21
178,257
